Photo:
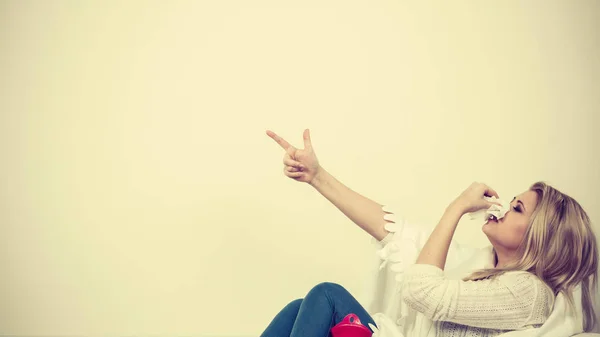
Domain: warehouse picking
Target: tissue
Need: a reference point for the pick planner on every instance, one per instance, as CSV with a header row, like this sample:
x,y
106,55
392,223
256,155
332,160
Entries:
x,y
495,210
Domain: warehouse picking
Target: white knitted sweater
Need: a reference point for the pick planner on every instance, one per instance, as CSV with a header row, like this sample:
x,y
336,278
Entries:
x,y
418,300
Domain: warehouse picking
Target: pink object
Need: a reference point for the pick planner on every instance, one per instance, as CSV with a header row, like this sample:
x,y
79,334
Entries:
x,y
350,327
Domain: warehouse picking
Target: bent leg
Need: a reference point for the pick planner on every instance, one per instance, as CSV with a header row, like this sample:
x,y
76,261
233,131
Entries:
x,y
324,306
281,325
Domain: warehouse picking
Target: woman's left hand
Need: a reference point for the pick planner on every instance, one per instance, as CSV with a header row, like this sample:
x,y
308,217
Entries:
x,y
471,199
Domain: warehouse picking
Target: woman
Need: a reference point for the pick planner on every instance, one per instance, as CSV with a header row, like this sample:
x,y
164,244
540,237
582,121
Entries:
x,y
542,247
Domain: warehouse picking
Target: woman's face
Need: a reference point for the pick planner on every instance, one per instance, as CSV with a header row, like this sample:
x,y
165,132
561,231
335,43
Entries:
x,y
508,232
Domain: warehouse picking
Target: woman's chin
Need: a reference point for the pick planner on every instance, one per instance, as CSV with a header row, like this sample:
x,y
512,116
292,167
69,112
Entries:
x,y
488,226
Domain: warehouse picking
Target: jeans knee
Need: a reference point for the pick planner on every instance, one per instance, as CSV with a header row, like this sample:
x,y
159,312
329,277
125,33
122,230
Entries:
x,y
326,286
293,306
295,303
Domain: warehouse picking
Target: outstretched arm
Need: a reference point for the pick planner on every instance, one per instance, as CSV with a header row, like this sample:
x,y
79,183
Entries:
x,y
302,165
364,212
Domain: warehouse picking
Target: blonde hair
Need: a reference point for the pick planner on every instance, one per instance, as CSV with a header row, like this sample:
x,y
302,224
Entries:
x,y
559,247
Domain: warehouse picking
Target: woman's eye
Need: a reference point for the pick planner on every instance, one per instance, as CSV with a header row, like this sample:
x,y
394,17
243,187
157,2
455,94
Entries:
x,y
517,209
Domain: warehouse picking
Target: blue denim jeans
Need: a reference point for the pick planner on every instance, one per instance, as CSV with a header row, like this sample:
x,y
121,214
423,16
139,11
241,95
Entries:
x,y
324,306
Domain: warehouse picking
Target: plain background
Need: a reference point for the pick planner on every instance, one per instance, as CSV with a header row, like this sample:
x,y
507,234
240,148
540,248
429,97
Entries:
x,y
140,194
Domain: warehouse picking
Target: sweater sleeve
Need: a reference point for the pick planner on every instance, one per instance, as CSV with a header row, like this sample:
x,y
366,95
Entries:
x,y
508,302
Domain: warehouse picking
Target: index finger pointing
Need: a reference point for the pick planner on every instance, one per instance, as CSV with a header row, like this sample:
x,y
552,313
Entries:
x,y
285,145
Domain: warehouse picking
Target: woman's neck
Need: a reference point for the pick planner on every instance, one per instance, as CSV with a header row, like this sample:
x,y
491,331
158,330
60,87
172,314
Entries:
x,y
503,257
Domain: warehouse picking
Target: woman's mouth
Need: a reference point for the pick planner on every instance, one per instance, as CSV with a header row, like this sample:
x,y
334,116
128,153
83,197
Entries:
x,y
492,219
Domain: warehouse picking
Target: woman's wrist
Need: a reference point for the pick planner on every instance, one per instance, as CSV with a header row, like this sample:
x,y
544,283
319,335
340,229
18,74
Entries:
x,y
319,178
457,207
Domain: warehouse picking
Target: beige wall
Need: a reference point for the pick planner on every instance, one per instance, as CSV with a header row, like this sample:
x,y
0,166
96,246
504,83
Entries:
x,y
141,196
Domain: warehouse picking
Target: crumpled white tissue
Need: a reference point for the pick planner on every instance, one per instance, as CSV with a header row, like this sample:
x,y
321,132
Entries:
x,y
498,211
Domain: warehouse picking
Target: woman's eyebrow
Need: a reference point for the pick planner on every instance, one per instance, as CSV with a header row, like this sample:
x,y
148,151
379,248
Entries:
x,y
520,202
